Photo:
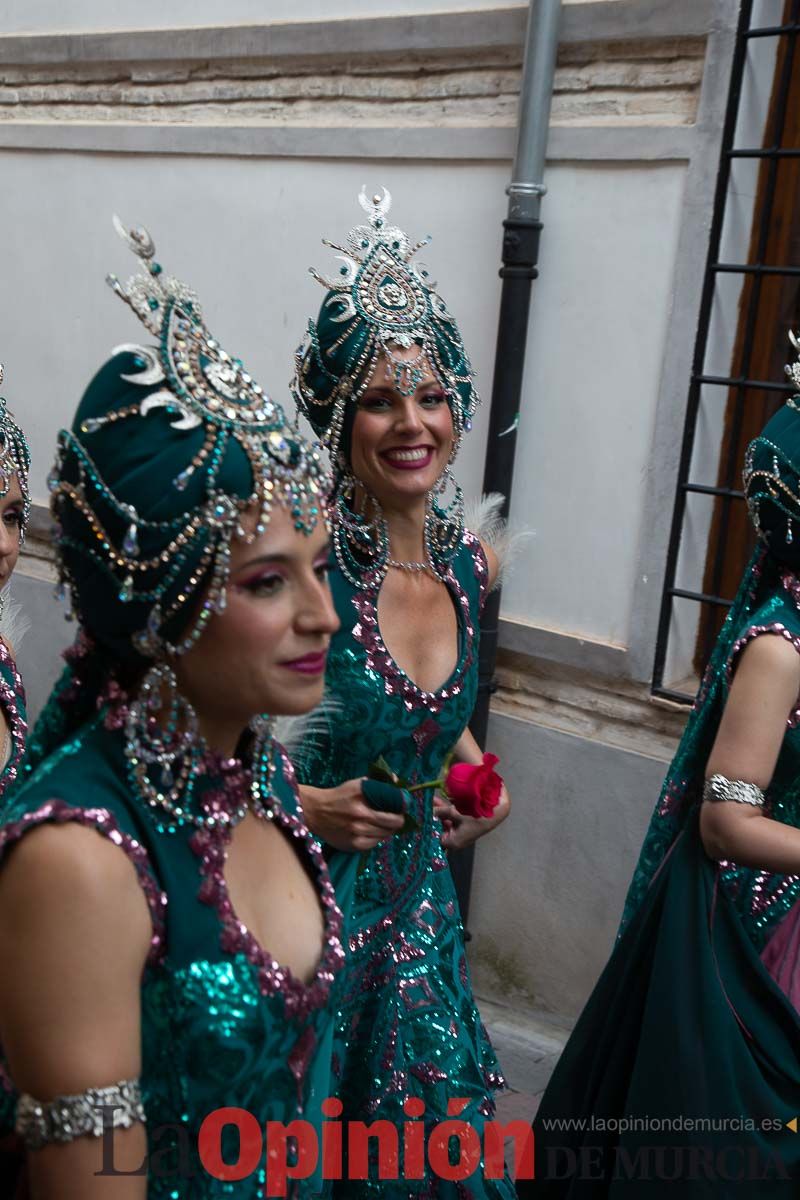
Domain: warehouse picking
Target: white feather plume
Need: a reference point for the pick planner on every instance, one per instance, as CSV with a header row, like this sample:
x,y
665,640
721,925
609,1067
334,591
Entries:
x,y
483,518
317,726
14,623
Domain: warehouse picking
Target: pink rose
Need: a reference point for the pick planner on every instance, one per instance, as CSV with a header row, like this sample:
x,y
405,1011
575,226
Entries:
x,y
475,791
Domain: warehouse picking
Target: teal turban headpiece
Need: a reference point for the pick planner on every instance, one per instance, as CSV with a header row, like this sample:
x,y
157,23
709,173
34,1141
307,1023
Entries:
x,y
170,446
381,301
15,459
772,478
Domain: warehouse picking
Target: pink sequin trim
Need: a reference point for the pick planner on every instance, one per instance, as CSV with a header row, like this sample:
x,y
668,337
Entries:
x,y
792,585
12,698
105,823
480,564
756,631
211,847
672,798
763,900
396,683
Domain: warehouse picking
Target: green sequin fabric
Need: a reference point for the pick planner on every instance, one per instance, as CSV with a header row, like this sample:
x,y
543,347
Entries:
x,y
408,1025
768,602
223,1025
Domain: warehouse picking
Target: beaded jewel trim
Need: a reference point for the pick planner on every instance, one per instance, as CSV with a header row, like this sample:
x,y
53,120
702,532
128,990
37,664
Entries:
x,y
396,682
480,566
12,699
776,485
59,813
210,846
203,386
380,288
15,459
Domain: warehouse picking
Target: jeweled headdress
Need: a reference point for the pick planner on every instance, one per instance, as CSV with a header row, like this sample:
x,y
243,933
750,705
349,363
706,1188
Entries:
x,y
15,459
772,476
382,299
171,445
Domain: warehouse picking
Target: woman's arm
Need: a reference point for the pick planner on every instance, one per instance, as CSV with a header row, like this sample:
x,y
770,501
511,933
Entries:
x,y
341,817
461,831
74,937
764,692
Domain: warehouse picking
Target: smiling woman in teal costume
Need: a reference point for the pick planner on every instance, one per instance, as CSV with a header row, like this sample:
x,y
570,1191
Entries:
x,y
697,1014
156,847
385,379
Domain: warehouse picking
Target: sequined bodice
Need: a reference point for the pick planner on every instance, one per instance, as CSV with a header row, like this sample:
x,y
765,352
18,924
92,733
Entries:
x,y
373,710
222,1023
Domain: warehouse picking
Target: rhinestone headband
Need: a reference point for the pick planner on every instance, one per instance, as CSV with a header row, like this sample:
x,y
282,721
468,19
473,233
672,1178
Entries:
x,y
15,459
202,386
393,299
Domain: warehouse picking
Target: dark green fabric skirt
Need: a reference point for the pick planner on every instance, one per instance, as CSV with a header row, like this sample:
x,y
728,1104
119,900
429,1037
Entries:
x,y
685,1025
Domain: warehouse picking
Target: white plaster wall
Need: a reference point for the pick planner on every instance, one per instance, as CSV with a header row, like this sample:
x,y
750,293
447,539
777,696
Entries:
x,y
595,350
49,16
550,883
243,233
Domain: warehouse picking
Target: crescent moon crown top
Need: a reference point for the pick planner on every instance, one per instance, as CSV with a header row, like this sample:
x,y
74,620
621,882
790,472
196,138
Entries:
x,y
207,401
381,300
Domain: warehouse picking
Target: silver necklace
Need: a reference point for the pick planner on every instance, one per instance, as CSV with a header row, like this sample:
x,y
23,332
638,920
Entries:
x,y
409,566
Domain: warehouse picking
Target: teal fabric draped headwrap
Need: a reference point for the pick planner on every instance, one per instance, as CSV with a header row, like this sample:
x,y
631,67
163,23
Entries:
x,y
772,490
382,301
171,445
118,512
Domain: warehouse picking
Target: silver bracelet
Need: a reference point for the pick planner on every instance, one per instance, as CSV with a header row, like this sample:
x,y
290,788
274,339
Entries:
x,y
720,788
66,1118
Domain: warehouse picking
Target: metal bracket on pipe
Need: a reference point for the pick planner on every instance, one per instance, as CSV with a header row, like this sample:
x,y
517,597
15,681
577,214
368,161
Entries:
x,y
519,188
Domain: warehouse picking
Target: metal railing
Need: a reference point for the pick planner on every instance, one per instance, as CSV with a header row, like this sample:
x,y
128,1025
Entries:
x,y
726,494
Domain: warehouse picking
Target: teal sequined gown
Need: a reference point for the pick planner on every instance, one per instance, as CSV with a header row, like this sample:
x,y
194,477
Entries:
x,y
696,1014
408,1025
222,1023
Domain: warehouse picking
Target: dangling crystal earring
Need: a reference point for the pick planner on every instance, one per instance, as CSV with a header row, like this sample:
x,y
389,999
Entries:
x,y
163,749
361,545
2,603
789,533
444,525
263,765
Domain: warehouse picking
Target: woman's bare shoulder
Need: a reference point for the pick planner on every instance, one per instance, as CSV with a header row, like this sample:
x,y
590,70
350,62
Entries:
x,y
67,881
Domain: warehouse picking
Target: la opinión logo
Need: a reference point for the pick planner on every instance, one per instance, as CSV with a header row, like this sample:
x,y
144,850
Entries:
x,y
292,1151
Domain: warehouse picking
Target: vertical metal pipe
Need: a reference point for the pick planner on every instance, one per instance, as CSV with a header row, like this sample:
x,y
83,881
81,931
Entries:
x,y
522,229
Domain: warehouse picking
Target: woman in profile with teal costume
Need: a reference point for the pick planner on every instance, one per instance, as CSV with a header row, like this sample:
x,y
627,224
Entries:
x,y
692,1034
169,936
385,380
15,508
